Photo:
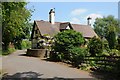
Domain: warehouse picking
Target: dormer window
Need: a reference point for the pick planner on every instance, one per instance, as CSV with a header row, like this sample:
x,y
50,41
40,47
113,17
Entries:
x,y
67,27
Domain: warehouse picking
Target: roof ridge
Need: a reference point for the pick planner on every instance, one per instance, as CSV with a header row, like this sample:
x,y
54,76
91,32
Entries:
x,y
81,24
63,22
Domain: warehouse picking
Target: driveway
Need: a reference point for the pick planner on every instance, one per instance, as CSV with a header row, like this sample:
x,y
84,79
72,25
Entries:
x,y
16,65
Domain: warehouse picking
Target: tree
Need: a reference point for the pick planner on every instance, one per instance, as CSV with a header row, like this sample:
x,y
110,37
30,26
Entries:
x,y
95,46
107,27
103,25
26,35
15,19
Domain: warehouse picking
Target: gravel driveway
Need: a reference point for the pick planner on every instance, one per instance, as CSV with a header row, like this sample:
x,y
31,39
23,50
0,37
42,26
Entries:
x,y
18,66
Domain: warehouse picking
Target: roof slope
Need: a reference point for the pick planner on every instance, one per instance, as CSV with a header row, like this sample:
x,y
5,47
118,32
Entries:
x,y
46,27
86,30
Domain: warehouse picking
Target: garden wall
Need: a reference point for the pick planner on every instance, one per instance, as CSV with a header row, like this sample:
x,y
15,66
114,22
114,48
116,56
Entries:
x,y
42,53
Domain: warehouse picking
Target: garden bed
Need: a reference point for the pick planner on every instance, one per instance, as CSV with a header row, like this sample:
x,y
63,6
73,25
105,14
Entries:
x,y
42,53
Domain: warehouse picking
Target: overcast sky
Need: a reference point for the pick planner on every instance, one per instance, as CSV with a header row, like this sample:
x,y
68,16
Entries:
x,y
74,12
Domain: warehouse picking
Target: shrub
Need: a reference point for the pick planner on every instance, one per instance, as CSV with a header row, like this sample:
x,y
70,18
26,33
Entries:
x,y
77,55
105,53
18,44
92,63
95,46
106,45
84,66
9,51
118,44
114,52
67,39
55,56
67,46
111,38
45,42
26,44
116,70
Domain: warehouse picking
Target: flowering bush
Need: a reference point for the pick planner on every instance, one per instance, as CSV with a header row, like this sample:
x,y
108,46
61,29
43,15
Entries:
x,y
45,42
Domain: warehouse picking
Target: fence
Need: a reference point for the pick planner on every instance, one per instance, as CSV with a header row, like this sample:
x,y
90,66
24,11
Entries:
x,y
102,60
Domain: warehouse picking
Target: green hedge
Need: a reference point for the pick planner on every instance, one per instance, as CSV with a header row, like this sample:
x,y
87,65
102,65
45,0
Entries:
x,y
26,44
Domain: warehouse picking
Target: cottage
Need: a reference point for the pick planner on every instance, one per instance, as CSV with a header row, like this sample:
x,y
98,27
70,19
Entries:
x,y
41,28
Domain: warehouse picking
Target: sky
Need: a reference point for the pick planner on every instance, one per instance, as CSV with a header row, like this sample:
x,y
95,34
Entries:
x,y
73,12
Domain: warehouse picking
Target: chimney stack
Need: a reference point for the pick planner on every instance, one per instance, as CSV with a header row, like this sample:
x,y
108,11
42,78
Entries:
x,y
52,16
88,21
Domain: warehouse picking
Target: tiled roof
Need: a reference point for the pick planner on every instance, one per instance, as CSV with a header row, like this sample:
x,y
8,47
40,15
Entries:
x,y
46,27
86,30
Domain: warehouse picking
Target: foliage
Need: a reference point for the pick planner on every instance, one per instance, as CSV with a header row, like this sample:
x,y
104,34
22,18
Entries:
x,y
106,49
84,66
15,22
105,53
67,39
111,39
105,45
102,26
56,56
77,55
111,52
26,44
107,27
9,51
95,46
118,44
118,40
67,47
114,52
115,70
